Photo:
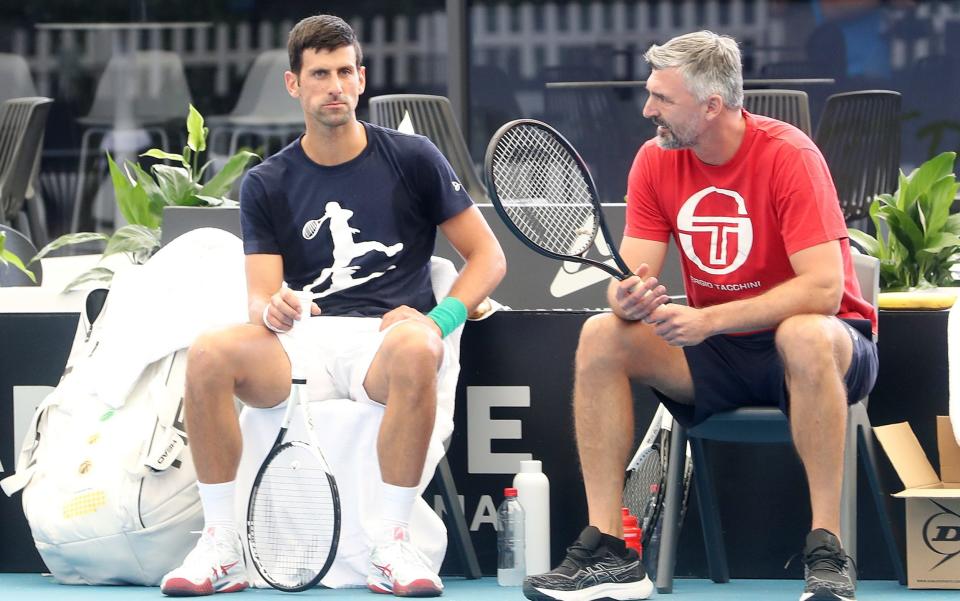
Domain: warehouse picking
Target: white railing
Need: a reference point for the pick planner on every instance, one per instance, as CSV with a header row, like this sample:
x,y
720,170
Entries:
x,y
521,39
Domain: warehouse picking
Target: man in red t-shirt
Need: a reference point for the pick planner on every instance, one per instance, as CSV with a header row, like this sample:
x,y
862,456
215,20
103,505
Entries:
x,y
773,305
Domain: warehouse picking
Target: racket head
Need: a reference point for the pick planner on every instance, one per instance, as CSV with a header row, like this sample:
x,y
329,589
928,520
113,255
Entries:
x,y
293,518
544,193
648,470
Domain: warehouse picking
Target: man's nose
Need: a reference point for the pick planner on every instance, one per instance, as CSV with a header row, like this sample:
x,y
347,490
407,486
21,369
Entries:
x,y
648,110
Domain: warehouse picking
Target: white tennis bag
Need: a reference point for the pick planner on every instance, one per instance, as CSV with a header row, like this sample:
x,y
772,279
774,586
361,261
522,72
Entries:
x,y
109,487
110,493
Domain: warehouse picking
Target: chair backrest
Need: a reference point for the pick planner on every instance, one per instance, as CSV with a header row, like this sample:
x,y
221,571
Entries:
x,y
22,124
604,126
432,116
16,78
859,136
21,246
868,274
789,106
154,83
263,96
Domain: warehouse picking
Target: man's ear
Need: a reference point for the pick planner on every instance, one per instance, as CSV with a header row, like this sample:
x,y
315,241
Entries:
x,y
292,82
362,72
715,106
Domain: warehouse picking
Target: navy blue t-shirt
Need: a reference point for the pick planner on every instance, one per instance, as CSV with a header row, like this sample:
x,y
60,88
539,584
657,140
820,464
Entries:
x,y
358,235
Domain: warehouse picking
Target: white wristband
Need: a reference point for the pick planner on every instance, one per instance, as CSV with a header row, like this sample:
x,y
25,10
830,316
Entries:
x,y
270,327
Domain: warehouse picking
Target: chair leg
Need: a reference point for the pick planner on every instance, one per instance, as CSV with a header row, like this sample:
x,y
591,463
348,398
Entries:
x,y
671,510
456,522
848,491
881,500
78,198
713,542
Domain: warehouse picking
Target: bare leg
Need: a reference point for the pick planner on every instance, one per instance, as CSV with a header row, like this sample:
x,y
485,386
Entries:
x,y
247,361
610,353
816,352
403,376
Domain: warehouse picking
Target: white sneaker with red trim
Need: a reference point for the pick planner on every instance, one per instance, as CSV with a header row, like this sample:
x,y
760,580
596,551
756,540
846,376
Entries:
x,y
214,566
399,568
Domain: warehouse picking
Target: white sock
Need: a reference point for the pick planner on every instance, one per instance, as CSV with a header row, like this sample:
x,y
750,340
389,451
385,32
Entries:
x,y
396,504
217,501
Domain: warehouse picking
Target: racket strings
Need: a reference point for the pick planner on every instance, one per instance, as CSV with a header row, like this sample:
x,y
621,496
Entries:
x,y
544,190
293,516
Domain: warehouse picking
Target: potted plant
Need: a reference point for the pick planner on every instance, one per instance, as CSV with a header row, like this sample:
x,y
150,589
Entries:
x,y
918,240
918,244
142,196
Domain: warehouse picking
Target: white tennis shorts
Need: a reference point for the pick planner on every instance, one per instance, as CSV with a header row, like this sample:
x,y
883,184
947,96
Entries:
x,y
338,352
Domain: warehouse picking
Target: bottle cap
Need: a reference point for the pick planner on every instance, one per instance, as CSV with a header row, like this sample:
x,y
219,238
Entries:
x,y
531,466
624,511
509,492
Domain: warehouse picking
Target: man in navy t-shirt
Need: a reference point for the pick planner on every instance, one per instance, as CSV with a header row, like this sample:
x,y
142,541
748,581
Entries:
x,y
348,214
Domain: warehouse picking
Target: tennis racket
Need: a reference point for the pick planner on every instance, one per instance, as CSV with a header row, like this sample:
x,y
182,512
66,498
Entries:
x,y
546,196
293,518
645,485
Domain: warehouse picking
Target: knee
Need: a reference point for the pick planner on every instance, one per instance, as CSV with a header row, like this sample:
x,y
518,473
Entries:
x,y
207,358
414,350
599,345
806,343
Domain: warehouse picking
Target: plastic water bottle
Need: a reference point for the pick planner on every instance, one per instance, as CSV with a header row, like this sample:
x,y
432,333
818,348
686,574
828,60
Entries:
x,y
631,531
533,490
511,566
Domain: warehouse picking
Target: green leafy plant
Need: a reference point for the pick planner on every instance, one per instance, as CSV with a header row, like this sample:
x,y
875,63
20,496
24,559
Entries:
x,y
141,197
8,258
918,240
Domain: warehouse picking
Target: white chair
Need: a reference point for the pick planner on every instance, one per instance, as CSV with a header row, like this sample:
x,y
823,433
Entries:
x,y
264,109
345,430
137,96
16,78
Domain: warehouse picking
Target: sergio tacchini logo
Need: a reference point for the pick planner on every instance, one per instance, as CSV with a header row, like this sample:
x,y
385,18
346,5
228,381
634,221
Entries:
x,y
729,237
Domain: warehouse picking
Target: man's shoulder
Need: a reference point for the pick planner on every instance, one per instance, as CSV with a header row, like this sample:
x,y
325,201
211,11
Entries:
x,y
398,141
773,132
273,170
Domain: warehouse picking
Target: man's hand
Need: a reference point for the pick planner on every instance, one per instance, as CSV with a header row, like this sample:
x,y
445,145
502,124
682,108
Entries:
x,y
638,296
283,309
680,325
404,312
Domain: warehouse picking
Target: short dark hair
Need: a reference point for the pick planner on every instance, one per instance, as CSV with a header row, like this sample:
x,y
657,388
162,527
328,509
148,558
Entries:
x,y
320,32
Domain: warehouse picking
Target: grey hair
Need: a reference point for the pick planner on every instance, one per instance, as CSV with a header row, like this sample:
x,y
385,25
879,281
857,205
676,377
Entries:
x,y
709,63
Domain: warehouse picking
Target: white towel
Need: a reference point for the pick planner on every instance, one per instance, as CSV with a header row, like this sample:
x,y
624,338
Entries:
x,y
195,283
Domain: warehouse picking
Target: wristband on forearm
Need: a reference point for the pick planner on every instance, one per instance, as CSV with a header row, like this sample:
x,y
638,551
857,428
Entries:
x,y
449,315
267,323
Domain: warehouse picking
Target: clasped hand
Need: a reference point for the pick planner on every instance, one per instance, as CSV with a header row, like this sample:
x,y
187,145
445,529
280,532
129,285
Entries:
x,y
643,299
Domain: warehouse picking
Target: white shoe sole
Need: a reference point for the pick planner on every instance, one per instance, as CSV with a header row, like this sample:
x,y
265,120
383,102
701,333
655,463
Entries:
x,y
627,591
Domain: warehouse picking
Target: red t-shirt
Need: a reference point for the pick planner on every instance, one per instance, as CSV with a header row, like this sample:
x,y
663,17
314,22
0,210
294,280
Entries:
x,y
737,224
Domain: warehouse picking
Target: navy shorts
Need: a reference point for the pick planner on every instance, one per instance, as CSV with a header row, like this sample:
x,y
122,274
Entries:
x,y
730,372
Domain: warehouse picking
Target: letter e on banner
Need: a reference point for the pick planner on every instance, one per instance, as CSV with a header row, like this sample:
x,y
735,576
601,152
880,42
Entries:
x,y
482,429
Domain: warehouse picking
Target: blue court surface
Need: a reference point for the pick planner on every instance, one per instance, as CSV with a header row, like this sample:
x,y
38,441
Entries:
x,y
34,587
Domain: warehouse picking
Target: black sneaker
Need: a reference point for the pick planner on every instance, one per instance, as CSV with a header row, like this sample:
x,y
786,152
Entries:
x,y
827,569
597,566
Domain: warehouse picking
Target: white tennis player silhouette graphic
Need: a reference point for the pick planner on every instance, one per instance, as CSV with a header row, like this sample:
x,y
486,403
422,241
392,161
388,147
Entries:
x,y
345,250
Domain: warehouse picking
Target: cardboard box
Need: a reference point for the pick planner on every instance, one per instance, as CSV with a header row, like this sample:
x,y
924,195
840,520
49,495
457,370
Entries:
x,y
933,503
